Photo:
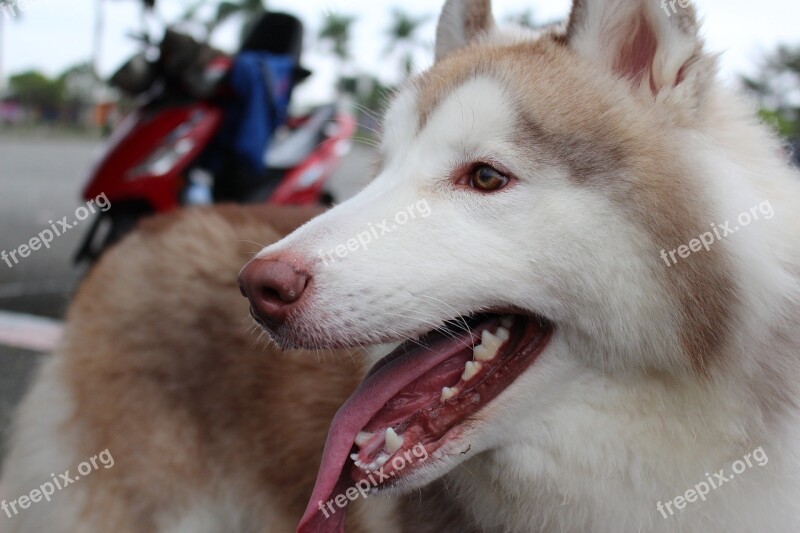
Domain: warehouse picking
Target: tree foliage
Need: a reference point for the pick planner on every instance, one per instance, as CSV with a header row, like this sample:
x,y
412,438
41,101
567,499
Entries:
x,y
777,87
404,37
63,98
337,31
34,89
251,9
221,12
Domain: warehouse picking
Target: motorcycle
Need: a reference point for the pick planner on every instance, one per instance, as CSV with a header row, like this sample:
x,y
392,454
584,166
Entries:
x,y
176,147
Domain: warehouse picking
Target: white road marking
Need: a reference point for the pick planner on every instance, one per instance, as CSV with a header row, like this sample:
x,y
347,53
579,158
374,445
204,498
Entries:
x,y
29,332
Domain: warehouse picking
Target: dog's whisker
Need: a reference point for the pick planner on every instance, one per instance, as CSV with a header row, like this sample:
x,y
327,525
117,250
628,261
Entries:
x,y
460,318
432,324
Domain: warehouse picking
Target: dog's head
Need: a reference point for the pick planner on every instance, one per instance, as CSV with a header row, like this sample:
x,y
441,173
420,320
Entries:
x,y
517,237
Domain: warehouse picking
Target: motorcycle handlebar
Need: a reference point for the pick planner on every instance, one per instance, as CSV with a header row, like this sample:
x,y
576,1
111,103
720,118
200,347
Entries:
x,y
139,36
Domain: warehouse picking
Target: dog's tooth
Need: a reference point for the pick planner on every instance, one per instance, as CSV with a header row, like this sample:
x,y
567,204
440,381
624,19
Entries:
x,y
354,457
379,462
471,369
507,322
393,441
363,437
482,353
490,340
503,334
448,392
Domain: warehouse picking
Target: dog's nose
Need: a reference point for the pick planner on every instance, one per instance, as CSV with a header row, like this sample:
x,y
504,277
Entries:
x,y
273,286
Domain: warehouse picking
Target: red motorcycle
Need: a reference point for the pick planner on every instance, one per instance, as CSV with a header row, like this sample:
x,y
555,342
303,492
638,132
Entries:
x,y
174,148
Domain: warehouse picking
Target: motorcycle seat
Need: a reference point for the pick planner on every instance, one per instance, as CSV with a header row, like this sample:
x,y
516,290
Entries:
x,y
290,149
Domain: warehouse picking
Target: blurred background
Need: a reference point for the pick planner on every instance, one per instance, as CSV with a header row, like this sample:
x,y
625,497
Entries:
x,y
57,108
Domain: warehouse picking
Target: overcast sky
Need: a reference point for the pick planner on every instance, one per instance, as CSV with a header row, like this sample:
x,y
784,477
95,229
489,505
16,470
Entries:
x,y
55,34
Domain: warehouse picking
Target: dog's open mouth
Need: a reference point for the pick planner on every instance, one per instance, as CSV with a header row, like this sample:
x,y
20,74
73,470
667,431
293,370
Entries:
x,y
414,401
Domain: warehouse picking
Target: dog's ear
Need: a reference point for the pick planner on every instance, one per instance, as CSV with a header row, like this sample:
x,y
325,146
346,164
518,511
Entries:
x,y
650,42
460,23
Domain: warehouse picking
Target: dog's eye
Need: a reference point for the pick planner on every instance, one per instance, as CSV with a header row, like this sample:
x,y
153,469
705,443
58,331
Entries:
x,y
485,178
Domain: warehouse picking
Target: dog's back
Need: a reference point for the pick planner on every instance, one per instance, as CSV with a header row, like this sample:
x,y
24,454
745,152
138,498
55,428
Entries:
x,y
209,429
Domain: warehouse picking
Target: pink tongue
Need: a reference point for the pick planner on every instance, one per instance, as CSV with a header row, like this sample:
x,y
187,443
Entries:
x,y
389,378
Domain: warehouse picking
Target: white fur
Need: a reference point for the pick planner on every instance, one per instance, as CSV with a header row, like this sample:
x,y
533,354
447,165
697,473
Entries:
x,y
606,27
587,439
607,422
43,444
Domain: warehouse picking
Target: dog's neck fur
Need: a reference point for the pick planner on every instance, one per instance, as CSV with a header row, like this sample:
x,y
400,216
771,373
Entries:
x,y
629,425
627,429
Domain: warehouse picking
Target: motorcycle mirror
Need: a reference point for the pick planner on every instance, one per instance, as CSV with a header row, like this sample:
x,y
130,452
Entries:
x,y
301,74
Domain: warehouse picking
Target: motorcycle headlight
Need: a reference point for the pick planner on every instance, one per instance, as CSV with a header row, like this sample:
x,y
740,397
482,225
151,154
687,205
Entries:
x,y
163,160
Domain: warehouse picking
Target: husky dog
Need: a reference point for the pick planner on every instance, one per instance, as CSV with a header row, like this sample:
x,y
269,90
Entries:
x,y
590,252
601,311
161,412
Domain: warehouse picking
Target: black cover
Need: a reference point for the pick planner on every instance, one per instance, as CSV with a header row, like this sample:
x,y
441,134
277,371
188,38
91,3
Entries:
x,y
279,33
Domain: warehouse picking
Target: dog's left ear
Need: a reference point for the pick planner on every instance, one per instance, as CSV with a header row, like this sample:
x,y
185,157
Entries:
x,y
652,43
461,22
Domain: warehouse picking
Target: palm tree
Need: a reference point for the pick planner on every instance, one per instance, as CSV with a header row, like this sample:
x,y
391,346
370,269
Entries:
x,y
250,8
404,38
336,30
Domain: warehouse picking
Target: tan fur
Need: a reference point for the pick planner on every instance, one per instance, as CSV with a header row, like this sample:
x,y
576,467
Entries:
x,y
474,19
168,375
478,18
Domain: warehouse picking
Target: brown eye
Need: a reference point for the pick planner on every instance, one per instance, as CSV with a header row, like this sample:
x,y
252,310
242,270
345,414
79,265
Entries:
x,y
485,178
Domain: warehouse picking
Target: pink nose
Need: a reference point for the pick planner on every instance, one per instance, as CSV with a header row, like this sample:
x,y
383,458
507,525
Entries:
x,y
273,287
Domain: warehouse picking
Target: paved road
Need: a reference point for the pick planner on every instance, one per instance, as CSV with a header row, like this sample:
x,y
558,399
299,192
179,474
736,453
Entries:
x,y
40,181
